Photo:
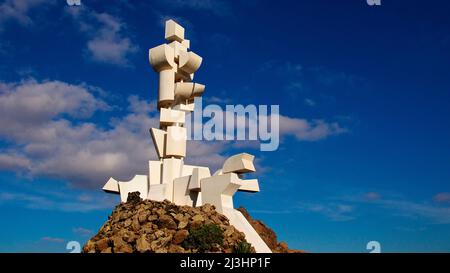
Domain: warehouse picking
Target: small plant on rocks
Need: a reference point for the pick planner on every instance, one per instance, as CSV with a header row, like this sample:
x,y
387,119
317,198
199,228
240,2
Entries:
x,y
204,238
242,247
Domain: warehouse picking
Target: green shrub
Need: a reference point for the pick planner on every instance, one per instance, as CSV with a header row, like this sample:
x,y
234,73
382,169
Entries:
x,y
242,247
204,238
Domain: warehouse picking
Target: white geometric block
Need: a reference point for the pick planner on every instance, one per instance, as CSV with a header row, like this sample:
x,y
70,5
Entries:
x,y
173,31
157,192
159,140
177,47
171,170
162,57
169,117
250,185
198,201
154,169
176,141
111,186
240,163
181,194
186,43
188,91
197,175
189,62
219,190
189,107
138,183
189,169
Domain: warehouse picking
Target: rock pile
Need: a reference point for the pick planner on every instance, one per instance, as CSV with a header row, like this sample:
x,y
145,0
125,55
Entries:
x,y
163,227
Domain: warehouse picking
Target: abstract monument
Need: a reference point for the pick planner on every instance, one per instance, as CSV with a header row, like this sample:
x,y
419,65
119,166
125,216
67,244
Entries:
x,y
169,178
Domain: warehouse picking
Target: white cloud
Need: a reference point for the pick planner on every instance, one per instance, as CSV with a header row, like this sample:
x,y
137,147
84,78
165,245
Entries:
x,y
309,130
49,132
36,201
82,231
46,125
310,102
107,41
442,197
371,196
32,103
400,206
334,211
18,10
53,239
13,162
414,210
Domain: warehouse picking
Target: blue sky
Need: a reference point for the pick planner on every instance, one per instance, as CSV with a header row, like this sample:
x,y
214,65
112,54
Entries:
x,y
364,105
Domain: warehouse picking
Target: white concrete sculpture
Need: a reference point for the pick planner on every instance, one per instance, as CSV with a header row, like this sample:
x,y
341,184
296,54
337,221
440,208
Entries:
x,y
169,178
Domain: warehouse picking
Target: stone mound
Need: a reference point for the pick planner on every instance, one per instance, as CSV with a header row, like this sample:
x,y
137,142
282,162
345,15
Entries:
x,y
163,227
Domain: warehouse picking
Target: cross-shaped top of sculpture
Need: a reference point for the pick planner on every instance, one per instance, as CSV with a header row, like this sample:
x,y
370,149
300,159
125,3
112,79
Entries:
x,y
176,66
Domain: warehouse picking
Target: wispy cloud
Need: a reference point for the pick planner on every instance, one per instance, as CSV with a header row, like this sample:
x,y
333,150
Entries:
x,y
338,212
352,206
108,42
84,232
19,11
310,102
309,130
372,196
398,206
53,239
37,201
443,197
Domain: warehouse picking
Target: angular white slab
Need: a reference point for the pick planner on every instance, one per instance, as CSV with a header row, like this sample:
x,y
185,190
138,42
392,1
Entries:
x,y
155,170
197,175
157,192
181,194
111,186
177,47
240,163
185,107
219,190
159,140
189,62
176,141
138,183
189,169
240,223
186,43
169,117
174,32
171,170
198,201
249,185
